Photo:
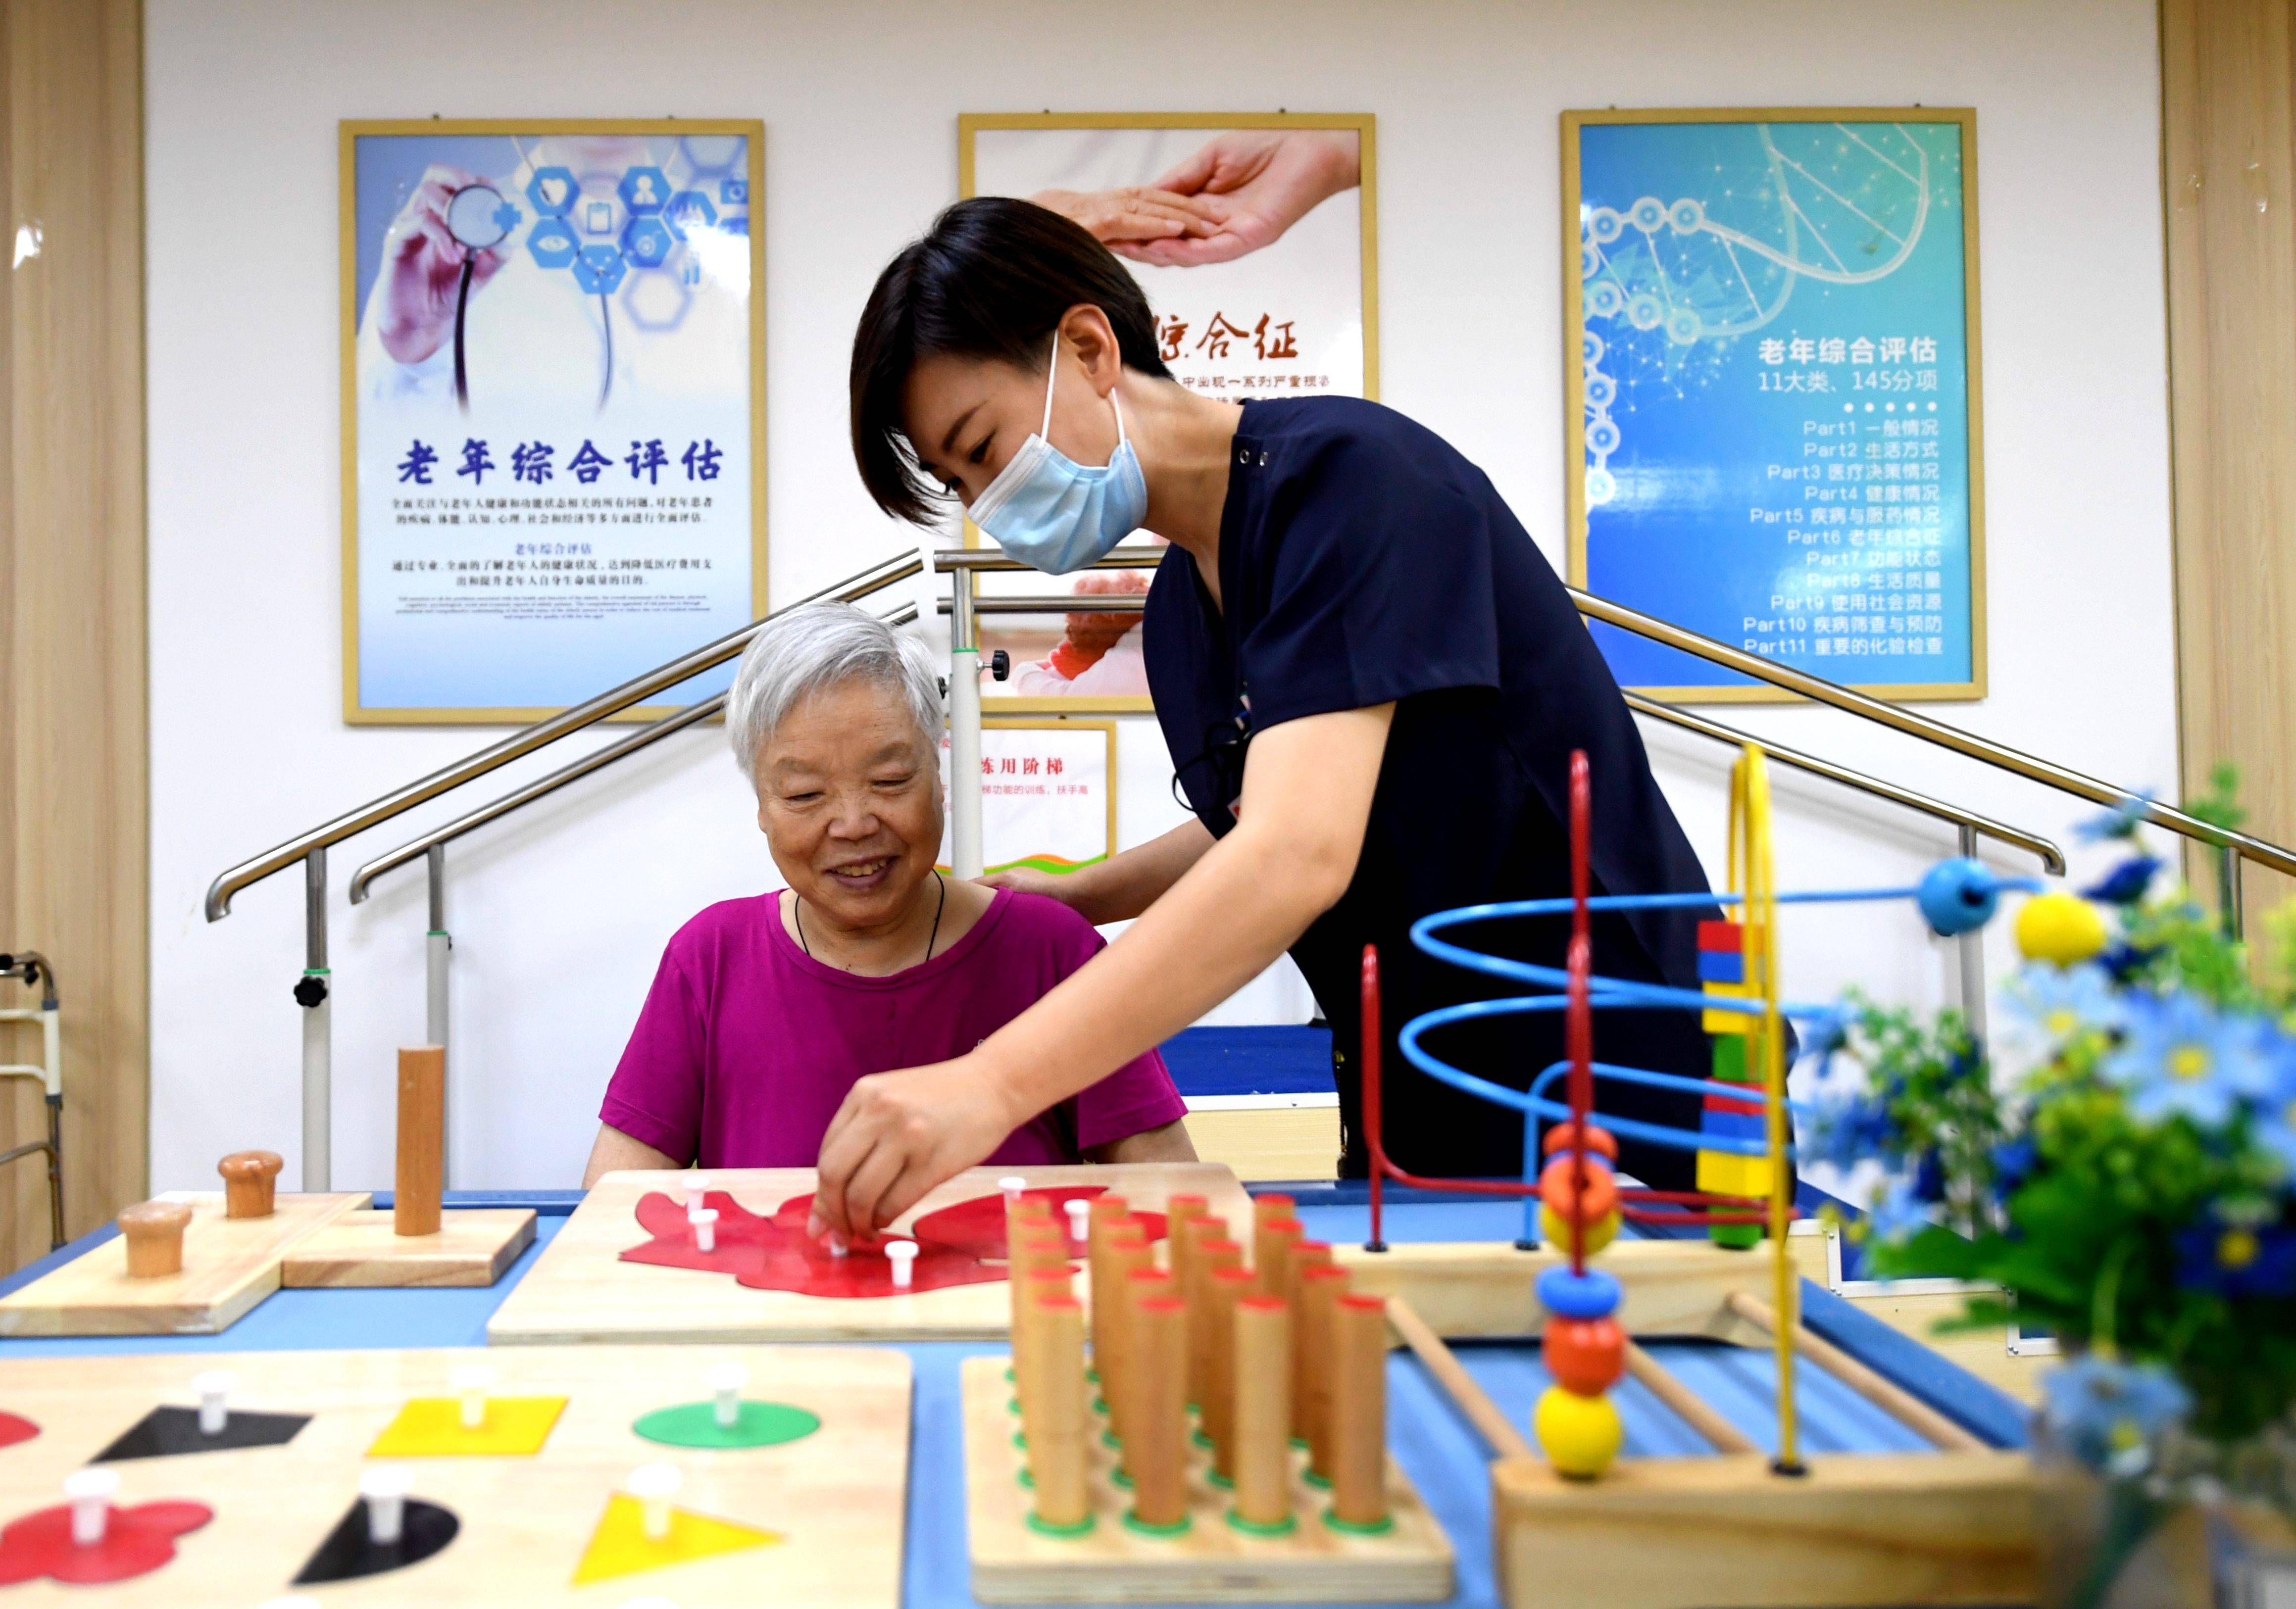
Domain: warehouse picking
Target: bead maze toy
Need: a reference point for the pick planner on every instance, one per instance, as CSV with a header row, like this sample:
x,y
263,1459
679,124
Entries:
x,y
1759,1524
722,1255
1234,1449
770,1477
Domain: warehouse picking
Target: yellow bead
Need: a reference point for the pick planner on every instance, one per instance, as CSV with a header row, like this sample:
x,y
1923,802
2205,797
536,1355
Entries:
x,y
1580,1435
1599,1233
2063,928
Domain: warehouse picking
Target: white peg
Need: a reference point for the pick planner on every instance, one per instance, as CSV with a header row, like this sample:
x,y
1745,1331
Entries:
x,y
705,1229
902,1254
837,1247
1079,1214
471,1382
697,1188
1011,1184
383,1488
215,1386
725,1381
653,1485
89,1493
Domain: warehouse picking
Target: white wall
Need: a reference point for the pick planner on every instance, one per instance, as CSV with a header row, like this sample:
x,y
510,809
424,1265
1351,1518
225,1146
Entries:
x,y
559,917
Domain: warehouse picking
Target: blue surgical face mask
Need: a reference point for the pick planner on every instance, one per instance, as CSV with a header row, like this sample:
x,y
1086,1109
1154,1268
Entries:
x,y
1049,511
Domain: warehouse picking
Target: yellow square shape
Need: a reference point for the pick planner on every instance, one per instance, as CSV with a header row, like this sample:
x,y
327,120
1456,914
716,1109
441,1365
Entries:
x,y
1727,1173
431,1427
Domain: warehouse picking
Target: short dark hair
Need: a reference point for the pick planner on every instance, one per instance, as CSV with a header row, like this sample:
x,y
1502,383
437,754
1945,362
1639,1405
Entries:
x,y
990,279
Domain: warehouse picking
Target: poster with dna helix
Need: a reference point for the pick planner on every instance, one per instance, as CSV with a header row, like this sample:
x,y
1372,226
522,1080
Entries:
x,y
1772,408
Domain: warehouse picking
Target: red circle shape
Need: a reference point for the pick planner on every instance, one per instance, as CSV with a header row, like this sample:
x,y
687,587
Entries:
x,y
1584,1355
1556,1188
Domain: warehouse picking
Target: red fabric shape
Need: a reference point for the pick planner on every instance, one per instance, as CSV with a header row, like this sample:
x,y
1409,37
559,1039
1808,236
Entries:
x,y
977,1227
960,1245
15,1428
136,1542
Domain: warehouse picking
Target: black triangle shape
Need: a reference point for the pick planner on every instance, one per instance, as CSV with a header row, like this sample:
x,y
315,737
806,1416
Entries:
x,y
347,1554
167,1432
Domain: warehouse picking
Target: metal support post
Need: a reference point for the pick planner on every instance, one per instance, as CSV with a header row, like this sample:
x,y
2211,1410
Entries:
x,y
2229,892
312,994
964,729
1972,945
437,947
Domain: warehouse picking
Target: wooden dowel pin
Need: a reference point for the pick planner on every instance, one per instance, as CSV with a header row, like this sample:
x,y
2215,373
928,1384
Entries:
x,y
1910,1411
1057,1433
155,1233
1208,1248
248,1178
1306,1255
1360,1415
1263,1413
1106,1212
1486,1416
1686,1403
1156,1455
1129,1254
1227,1288
421,1139
1321,1286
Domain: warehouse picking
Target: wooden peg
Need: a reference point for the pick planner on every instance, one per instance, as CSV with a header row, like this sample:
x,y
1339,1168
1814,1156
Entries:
x,y
421,1139
1321,1286
1180,1213
1268,1206
248,1178
1359,1411
1227,1288
1156,1456
1057,1438
1107,1213
1271,1241
1127,1254
1212,1252
1305,1255
1263,1411
155,1233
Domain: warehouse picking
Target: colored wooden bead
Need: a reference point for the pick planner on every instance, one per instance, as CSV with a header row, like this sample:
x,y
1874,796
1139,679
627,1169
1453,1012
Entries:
x,y
2060,928
1564,1234
1558,1187
1591,1294
1600,1142
1584,1355
1580,1435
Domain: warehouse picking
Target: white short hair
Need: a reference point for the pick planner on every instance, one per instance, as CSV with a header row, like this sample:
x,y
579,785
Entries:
x,y
820,646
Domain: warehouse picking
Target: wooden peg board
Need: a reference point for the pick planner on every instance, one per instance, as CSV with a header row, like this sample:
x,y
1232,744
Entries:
x,y
580,1290
229,1265
1211,1564
836,1497
363,1250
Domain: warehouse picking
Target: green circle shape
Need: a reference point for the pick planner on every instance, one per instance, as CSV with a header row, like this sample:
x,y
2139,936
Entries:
x,y
758,1425
1379,1527
1320,1482
1284,1527
1179,1527
1044,1527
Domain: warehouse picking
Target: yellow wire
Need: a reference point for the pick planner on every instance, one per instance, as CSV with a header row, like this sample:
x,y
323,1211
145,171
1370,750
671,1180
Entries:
x,y
1761,906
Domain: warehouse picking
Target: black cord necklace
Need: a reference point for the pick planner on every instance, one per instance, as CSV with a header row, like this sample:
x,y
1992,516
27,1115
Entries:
x,y
797,916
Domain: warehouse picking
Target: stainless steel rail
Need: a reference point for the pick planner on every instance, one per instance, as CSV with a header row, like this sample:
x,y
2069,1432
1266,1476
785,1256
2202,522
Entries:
x,y
2051,857
525,741
645,737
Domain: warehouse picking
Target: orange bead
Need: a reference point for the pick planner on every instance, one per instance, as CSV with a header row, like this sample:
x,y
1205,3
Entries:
x,y
1599,1141
1584,1355
1557,1188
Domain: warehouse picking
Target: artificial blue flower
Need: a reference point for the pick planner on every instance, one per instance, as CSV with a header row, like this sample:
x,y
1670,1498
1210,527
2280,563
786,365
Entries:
x,y
2276,1110
2123,961
1898,1213
1827,1031
2012,1163
1843,1130
2237,1260
2126,883
2183,1057
2107,1414
2061,1002
2121,822
1928,1177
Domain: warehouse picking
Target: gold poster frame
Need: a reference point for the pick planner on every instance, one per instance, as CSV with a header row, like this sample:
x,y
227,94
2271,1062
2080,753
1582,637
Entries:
x,y
1107,729
1574,443
350,131
1366,127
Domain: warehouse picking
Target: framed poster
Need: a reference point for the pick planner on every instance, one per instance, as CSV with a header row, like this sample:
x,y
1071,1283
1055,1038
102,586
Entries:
x,y
1279,298
553,409
1772,411
1048,794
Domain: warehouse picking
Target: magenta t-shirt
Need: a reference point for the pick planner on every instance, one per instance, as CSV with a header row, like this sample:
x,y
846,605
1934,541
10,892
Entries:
x,y
747,1045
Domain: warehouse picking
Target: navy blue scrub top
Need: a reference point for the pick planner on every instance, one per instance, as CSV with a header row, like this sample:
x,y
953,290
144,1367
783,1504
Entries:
x,y
1363,561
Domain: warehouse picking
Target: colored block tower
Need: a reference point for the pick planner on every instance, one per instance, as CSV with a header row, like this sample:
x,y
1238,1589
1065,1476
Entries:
x,y
1728,967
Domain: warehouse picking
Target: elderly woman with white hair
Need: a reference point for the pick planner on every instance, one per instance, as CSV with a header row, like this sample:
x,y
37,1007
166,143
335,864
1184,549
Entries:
x,y
767,1010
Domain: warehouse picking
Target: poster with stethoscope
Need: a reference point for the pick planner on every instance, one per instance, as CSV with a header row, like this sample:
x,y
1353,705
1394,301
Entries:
x,y
554,431
1255,237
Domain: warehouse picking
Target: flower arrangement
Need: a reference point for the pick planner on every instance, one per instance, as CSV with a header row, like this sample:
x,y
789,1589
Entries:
x,y
2120,1163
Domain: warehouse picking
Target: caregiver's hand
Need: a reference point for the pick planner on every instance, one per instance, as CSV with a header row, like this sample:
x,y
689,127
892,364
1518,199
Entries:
x,y
898,1134
1264,181
1133,213
414,303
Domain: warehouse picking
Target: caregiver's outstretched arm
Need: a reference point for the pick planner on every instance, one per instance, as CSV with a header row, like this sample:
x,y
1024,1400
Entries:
x,y
1307,788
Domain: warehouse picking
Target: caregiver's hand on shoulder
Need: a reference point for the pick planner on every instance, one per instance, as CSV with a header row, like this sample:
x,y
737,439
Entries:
x,y
899,1134
1028,879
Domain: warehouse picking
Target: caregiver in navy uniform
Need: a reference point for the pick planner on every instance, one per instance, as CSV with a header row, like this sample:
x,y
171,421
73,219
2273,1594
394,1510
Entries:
x,y
1370,679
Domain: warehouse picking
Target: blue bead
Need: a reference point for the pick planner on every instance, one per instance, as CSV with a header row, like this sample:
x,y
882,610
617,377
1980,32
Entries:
x,y
1593,1295
1957,895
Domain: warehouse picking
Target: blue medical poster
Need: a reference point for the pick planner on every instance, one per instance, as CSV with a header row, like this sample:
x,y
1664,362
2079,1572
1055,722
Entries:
x,y
1773,419
552,425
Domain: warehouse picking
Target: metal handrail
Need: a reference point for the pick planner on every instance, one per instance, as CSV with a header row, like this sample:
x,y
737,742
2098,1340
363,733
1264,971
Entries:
x,y
1816,688
2051,857
526,741
645,737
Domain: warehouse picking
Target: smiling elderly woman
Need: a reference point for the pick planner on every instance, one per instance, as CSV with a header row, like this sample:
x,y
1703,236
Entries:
x,y
767,1010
